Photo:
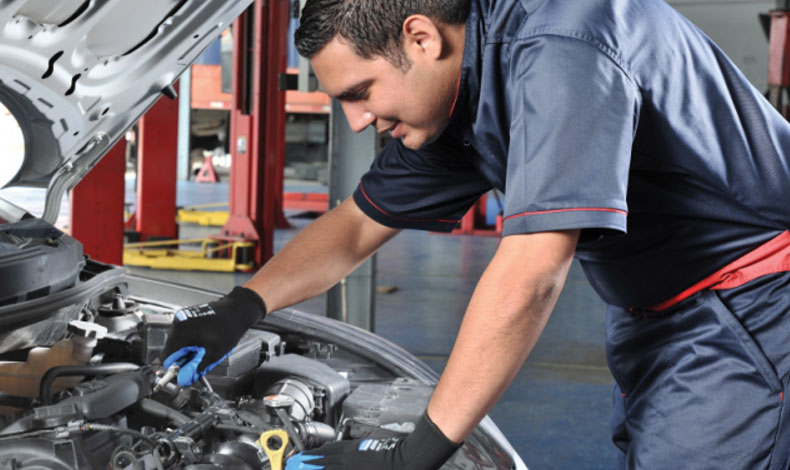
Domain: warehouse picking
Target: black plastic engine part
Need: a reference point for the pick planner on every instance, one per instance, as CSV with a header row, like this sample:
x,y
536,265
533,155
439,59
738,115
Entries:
x,y
101,398
241,454
234,376
330,387
315,434
244,357
36,260
92,400
301,396
231,387
41,454
153,333
81,450
45,389
385,410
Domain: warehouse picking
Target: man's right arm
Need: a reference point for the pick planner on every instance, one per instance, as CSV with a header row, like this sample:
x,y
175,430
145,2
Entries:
x,y
319,256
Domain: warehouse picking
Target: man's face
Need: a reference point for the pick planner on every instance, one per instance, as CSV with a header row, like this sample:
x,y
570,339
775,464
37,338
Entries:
x,y
413,106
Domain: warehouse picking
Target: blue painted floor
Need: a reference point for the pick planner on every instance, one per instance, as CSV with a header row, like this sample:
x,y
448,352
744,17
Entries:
x,y
556,413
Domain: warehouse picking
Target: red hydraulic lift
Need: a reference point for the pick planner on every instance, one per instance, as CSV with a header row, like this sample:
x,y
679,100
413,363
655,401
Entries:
x,y
97,208
157,168
257,127
97,202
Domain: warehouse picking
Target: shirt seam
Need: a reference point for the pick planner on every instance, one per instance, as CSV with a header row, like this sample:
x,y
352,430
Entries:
x,y
401,219
584,38
575,209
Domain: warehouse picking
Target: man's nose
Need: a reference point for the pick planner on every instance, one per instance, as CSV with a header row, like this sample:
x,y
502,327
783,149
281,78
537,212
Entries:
x,y
358,117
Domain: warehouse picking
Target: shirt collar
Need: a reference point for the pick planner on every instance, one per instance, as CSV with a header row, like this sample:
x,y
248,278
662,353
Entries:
x,y
468,90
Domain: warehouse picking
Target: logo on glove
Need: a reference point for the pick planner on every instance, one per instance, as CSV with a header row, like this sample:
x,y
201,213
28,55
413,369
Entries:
x,y
195,311
378,445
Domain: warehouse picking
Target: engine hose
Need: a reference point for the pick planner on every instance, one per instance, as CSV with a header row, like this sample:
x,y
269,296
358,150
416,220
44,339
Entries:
x,y
315,434
89,370
15,401
117,429
161,410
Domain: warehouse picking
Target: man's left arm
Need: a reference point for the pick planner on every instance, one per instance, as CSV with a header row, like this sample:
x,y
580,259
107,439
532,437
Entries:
x,y
505,317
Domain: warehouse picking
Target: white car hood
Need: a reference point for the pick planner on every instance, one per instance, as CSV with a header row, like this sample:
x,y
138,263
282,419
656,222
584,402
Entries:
x,y
76,74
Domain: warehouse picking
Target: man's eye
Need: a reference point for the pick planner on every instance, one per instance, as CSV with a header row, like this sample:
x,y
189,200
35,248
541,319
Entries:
x,y
358,96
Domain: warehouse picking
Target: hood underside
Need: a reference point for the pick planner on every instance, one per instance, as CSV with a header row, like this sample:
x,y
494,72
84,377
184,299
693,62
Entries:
x,y
76,74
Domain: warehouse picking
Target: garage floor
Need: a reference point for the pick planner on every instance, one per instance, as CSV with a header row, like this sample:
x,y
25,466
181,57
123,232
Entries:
x,y
556,412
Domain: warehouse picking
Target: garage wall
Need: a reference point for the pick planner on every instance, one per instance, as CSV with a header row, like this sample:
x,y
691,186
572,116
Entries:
x,y
733,25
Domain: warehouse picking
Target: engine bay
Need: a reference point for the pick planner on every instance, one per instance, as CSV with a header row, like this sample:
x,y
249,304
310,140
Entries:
x,y
110,417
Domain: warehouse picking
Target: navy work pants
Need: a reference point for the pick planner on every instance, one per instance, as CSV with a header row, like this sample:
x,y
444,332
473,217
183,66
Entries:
x,y
702,384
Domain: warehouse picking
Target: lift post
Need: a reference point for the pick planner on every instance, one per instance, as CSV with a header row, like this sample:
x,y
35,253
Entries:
x,y
97,208
157,169
257,127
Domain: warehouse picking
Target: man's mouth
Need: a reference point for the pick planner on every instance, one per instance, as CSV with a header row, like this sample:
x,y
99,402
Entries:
x,y
396,131
389,129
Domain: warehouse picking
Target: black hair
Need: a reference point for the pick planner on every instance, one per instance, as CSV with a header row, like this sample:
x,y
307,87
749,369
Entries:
x,y
371,27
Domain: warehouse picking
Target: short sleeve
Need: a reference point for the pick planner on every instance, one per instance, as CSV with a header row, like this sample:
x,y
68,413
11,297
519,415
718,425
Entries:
x,y
427,189
573,123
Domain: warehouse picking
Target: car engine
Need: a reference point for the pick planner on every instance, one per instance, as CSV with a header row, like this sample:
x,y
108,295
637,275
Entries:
x,y
111,417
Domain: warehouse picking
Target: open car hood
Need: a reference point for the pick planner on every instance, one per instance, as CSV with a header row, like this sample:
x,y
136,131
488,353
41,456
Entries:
x,y
76,74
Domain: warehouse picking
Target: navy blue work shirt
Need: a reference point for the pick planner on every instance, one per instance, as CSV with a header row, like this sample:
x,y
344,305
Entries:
x,y
617,117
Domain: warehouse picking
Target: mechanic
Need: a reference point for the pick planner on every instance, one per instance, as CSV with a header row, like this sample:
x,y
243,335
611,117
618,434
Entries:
x,y
620,134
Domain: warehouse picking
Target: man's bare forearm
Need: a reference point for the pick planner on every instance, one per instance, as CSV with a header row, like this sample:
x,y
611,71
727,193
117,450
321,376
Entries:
x,y
319,256
507,313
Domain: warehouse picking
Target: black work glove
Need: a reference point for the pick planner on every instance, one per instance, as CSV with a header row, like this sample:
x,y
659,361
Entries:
x,y
203,335
424,449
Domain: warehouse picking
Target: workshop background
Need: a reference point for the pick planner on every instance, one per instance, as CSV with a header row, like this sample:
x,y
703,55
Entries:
x,y
556,413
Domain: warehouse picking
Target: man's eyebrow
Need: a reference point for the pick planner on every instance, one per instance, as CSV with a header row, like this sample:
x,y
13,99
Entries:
x,y
353,90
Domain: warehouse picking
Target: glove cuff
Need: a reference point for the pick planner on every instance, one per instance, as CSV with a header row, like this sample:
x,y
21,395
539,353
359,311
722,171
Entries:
x,y
430,446
247,304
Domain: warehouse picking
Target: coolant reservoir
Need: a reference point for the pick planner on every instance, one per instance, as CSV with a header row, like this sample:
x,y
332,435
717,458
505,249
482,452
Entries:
x,y
24,378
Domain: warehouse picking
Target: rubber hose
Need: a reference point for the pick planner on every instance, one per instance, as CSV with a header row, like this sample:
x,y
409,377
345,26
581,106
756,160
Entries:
x,y
88,370
15,401
161,410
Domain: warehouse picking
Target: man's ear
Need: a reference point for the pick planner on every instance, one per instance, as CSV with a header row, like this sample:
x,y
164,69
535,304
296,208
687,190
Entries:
x,y
422,36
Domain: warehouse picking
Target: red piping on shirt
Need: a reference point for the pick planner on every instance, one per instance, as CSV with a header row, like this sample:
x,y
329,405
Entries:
x,y
457,92
401,218
769,258
580,209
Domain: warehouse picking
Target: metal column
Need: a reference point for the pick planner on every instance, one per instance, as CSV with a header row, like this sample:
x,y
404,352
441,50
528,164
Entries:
x,y
184,121
157,171
257,126
97,207
350,156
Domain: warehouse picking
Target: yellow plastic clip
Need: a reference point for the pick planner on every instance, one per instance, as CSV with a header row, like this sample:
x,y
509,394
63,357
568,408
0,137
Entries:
x,y
274,443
